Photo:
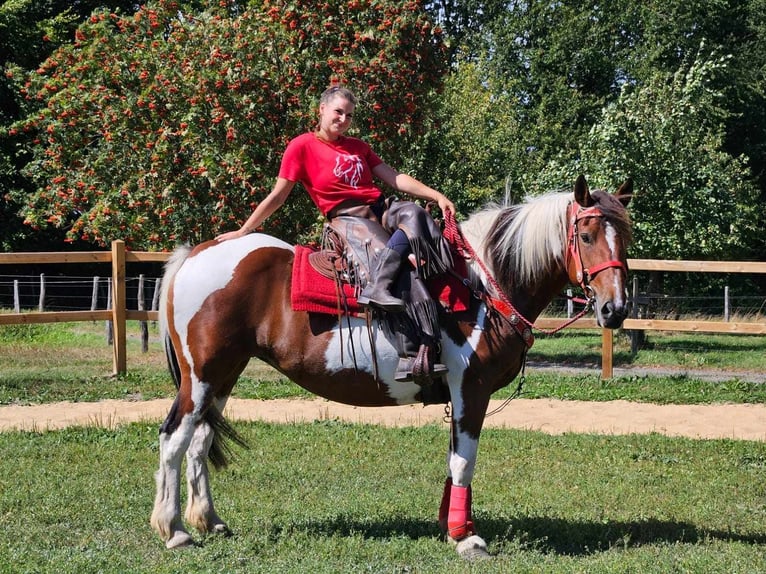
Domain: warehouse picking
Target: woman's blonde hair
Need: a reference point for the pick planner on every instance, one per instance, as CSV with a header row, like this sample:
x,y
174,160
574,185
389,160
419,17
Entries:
x,y
333,91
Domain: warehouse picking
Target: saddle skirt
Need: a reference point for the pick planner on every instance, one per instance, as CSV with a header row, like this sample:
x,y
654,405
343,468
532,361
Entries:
x,y
316,286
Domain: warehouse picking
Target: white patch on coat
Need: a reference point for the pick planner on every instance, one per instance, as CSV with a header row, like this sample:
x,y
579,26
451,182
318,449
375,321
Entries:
x,y
203,274
611,240
357,354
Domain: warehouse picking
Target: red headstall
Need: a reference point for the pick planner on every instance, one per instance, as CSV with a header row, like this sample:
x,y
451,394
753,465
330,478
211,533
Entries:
x,y
585,275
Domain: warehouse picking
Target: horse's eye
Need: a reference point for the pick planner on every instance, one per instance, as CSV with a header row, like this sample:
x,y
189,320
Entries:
x,y
585,238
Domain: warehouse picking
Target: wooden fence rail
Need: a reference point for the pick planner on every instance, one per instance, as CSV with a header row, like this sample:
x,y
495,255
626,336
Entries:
x,y
118,314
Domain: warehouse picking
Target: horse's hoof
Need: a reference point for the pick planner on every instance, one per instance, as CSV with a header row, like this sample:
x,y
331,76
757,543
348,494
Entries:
x,y
472,548
180,540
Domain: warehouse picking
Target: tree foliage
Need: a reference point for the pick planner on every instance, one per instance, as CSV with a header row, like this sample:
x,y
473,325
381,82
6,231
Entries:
x,y
565,63
471,143
172,132
165,127
693,200
30,30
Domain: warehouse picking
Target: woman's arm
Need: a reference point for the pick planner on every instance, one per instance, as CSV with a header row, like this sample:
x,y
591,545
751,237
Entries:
x,y
408,184
273,201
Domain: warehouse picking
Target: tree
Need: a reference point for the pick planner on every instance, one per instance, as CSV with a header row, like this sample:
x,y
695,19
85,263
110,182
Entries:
x,y
30,30
473,144
162,128
693,200
565,61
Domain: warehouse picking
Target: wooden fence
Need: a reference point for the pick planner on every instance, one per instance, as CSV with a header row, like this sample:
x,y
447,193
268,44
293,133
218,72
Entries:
x,y
119,314
119,257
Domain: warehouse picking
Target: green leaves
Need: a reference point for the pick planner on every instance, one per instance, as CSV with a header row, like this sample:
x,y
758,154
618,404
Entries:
x,y
165,127
693,200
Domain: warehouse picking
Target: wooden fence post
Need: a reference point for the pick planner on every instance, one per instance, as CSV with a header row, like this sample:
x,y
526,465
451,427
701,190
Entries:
x,y
119,307
143,325
94,295
635,335
156,294
16,297
607,353
41,302
108,331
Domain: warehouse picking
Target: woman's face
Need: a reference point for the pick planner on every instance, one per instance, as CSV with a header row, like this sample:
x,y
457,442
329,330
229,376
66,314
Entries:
x,y
335,116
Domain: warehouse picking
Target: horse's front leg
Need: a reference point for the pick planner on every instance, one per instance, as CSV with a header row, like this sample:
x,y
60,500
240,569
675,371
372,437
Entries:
x,y
200,512
455,512
166,515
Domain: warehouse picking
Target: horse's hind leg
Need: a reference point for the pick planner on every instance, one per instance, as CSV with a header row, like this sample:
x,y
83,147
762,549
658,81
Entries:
x,y
200,512
176,434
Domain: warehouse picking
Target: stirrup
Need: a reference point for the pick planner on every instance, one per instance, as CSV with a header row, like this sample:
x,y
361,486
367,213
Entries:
x,y
421,369
405,374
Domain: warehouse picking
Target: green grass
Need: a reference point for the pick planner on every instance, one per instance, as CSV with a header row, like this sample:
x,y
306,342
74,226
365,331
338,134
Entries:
x,y
686,351
331,497
72,361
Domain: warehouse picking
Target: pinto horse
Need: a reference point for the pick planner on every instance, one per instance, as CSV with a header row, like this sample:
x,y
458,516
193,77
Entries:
x,y
224,303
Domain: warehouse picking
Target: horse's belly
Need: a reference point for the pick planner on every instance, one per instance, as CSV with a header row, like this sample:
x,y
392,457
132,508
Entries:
x,y
342,366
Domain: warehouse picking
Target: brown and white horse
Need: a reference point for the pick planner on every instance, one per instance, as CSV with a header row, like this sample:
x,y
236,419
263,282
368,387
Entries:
x,y
224,303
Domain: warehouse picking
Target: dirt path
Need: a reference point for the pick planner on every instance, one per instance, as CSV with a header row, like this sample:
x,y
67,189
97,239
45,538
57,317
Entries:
x,y
736,421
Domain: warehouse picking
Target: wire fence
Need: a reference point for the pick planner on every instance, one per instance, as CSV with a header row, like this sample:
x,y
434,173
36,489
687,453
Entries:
x,y
676,307
76,293
73,293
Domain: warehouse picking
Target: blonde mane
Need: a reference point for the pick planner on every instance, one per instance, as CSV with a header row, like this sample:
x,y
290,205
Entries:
x,y
524,241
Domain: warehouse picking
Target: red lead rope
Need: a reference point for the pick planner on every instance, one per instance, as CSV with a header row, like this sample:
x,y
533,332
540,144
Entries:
x,y
454,235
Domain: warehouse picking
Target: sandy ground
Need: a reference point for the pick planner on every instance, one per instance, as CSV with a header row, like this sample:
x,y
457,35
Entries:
x,y
733,421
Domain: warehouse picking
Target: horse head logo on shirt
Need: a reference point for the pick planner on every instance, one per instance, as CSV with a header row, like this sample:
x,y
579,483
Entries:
x,y
348,168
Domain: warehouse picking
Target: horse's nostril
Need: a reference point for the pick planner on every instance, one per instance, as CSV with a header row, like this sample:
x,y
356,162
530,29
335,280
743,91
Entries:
x,y
611,315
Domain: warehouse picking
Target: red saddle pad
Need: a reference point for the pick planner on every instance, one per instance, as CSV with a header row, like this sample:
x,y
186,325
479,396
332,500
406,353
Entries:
x,y
311,291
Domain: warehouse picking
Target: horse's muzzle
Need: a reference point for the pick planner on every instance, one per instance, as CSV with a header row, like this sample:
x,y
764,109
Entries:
x,y
611,316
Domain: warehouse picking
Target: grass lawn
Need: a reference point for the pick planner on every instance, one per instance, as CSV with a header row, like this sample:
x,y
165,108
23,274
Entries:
x,y
331,497
72,361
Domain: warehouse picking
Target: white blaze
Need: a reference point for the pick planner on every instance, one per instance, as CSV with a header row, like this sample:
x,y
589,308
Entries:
x,y
611,240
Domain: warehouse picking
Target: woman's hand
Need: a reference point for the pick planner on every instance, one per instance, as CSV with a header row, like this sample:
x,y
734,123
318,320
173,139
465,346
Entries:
x,y
445,204
273,201
231,235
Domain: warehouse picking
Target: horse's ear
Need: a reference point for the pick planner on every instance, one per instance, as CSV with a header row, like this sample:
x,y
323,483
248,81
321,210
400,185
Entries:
x,y
625,192
582,193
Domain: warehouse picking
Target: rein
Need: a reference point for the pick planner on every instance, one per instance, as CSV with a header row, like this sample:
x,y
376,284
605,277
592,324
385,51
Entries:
x,y
454,235
502,303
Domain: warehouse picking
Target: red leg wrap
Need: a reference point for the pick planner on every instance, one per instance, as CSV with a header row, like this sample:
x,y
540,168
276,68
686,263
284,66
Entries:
x,y
444,506
459,523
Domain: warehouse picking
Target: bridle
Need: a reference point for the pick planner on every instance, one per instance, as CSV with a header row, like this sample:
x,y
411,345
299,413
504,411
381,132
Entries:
x,y
584,274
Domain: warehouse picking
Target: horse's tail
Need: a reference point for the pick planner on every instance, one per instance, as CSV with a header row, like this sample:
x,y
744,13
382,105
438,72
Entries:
x,y
222,430
171,268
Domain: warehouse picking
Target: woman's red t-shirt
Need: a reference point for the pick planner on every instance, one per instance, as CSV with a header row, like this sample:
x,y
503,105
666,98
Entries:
x,y
331,172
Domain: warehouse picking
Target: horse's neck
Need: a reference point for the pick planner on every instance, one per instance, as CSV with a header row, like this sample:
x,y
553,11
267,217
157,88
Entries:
x,y
529,300
532,301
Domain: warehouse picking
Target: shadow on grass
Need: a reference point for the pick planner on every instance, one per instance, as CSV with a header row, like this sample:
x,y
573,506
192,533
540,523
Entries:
x,y
581,360
546,535
581,538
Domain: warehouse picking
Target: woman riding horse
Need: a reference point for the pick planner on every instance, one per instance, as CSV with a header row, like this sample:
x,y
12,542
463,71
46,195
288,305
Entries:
x,y
337,171
224,303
